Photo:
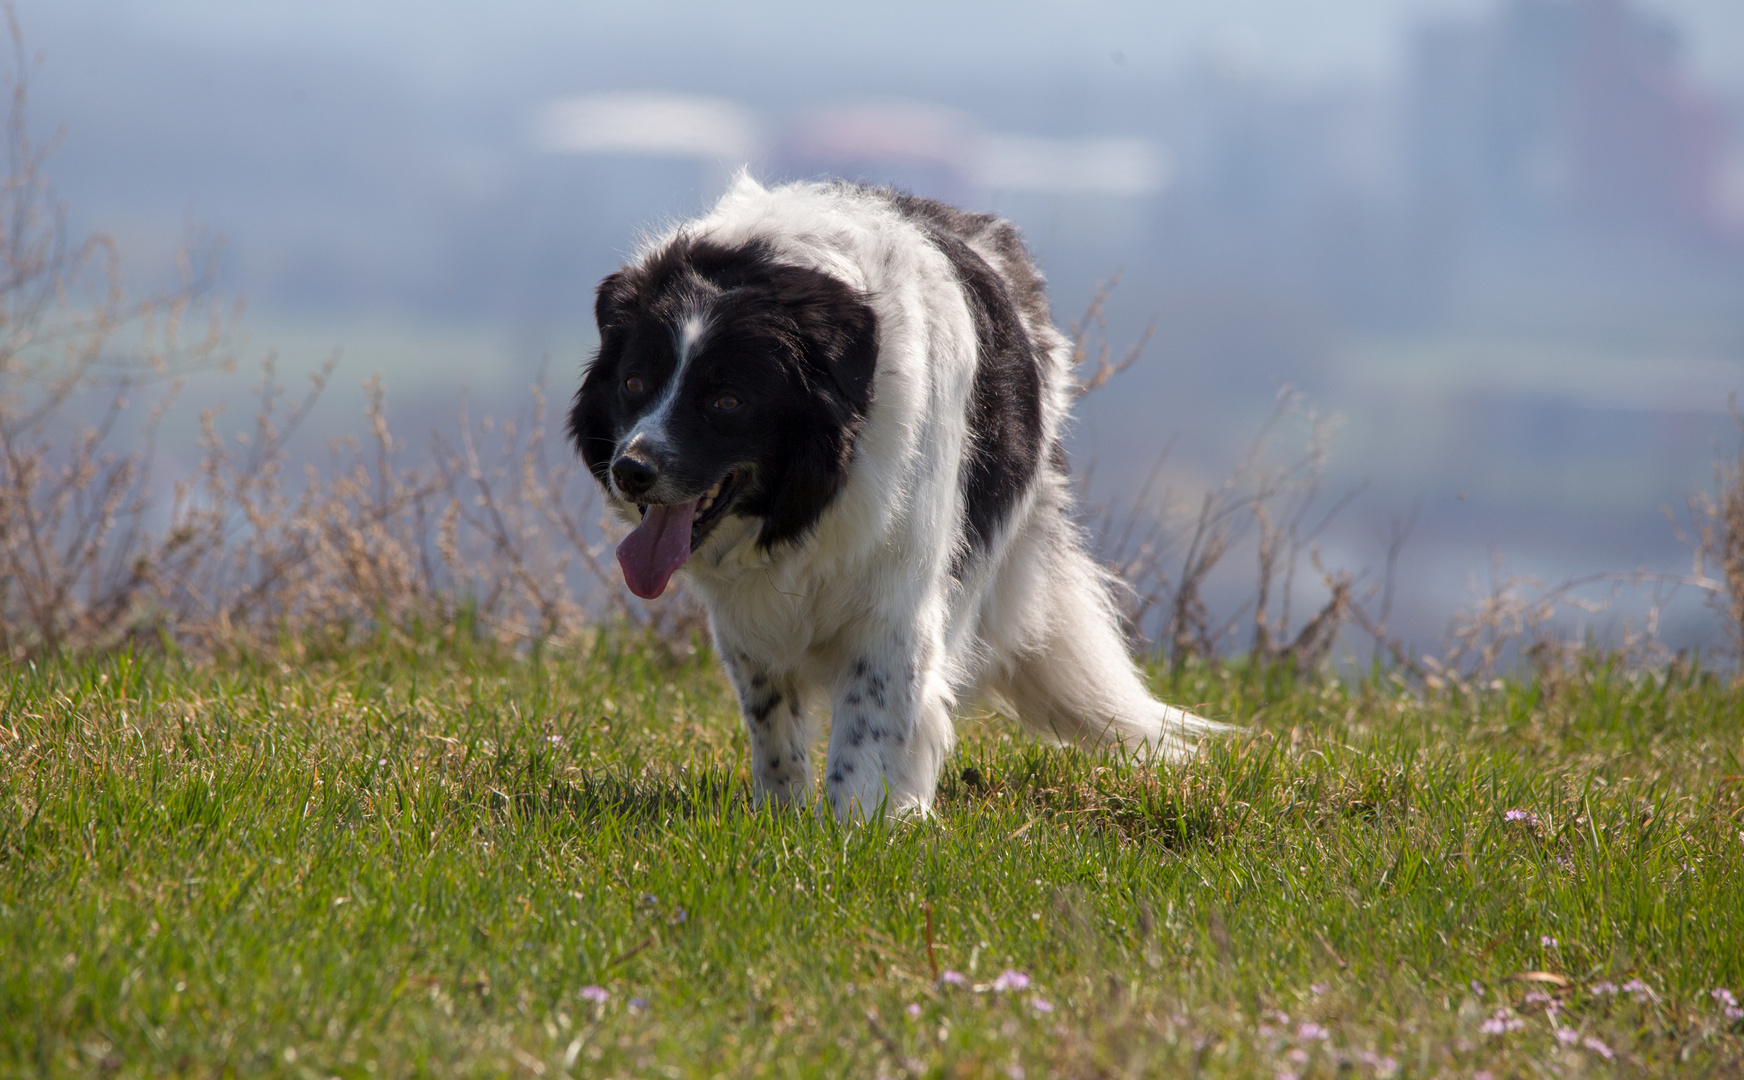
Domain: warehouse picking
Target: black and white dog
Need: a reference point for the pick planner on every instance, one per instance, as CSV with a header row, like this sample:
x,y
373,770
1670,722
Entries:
x,y
839,409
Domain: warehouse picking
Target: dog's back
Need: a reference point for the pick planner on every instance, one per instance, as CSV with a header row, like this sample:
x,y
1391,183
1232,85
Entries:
x,y
1045,624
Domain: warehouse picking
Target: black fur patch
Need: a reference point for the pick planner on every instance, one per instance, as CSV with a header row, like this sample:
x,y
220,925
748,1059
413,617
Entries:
x,y
1005,409
796,346
759,711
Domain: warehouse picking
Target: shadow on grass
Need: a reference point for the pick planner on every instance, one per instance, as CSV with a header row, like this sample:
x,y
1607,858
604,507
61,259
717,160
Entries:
x,y
638,801
1177,807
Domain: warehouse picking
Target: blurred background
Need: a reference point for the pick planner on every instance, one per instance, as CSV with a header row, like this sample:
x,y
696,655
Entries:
x,y
1502,241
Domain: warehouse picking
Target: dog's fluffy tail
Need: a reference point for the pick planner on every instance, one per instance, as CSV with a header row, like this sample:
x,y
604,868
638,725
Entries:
x,y
1078,684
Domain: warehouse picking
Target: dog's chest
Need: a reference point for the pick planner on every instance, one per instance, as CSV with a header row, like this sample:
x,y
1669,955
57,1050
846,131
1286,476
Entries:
x,y
786,625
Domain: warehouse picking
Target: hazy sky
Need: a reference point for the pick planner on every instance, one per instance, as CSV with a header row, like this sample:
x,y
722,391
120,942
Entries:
x,y
444,41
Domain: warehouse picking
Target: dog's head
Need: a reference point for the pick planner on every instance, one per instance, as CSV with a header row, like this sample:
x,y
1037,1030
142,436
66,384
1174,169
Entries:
x,y
726,384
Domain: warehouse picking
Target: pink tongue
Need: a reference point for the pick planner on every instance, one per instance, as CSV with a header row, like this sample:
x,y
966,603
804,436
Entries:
x,y
656,548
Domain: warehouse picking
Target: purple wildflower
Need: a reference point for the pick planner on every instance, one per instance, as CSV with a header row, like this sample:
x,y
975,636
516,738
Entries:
x,y
953,978
1308,1029
1010,980
595,994
1567,1035
913,1010
1041,1005
1526,816
1598,1047
1728,1004
1640,990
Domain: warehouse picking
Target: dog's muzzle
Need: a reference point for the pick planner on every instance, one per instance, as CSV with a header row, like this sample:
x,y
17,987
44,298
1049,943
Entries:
x,y
634,476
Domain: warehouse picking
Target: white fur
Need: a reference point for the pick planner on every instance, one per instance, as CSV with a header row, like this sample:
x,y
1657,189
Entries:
x,y
863,617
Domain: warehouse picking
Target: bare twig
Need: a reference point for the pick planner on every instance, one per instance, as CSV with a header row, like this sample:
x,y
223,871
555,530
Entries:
x,y
1089,336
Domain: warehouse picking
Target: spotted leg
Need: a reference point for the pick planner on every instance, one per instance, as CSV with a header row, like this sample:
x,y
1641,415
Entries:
x,y
781,735
890,729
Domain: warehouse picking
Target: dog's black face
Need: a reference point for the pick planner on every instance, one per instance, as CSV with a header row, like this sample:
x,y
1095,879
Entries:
x,y
726,383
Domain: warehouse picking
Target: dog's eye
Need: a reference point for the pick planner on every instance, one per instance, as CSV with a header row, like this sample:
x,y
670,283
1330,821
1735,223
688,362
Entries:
x,y
727,401
634,385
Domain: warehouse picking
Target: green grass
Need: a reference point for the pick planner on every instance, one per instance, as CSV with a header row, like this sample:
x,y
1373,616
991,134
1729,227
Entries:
x,y
398,860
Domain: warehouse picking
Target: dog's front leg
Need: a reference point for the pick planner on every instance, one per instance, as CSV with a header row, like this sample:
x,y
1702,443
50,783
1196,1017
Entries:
x,y
780,733
890,729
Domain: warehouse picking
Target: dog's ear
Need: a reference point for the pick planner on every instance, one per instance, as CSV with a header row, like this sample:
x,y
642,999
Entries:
x,y
611,301
589,412
841,348
854,357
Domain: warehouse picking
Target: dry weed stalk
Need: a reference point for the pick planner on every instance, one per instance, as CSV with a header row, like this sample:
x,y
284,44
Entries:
x,y
539,533
340,551
1717,529
1278,502
495,528
1514,608
1275,501
1376,624
1090,335
1277,510
1516,616
78,560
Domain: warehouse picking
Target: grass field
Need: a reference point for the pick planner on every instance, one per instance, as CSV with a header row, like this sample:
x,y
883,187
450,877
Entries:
x,y
397,860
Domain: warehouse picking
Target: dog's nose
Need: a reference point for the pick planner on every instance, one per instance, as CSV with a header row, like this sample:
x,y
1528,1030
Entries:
x,y
633,476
